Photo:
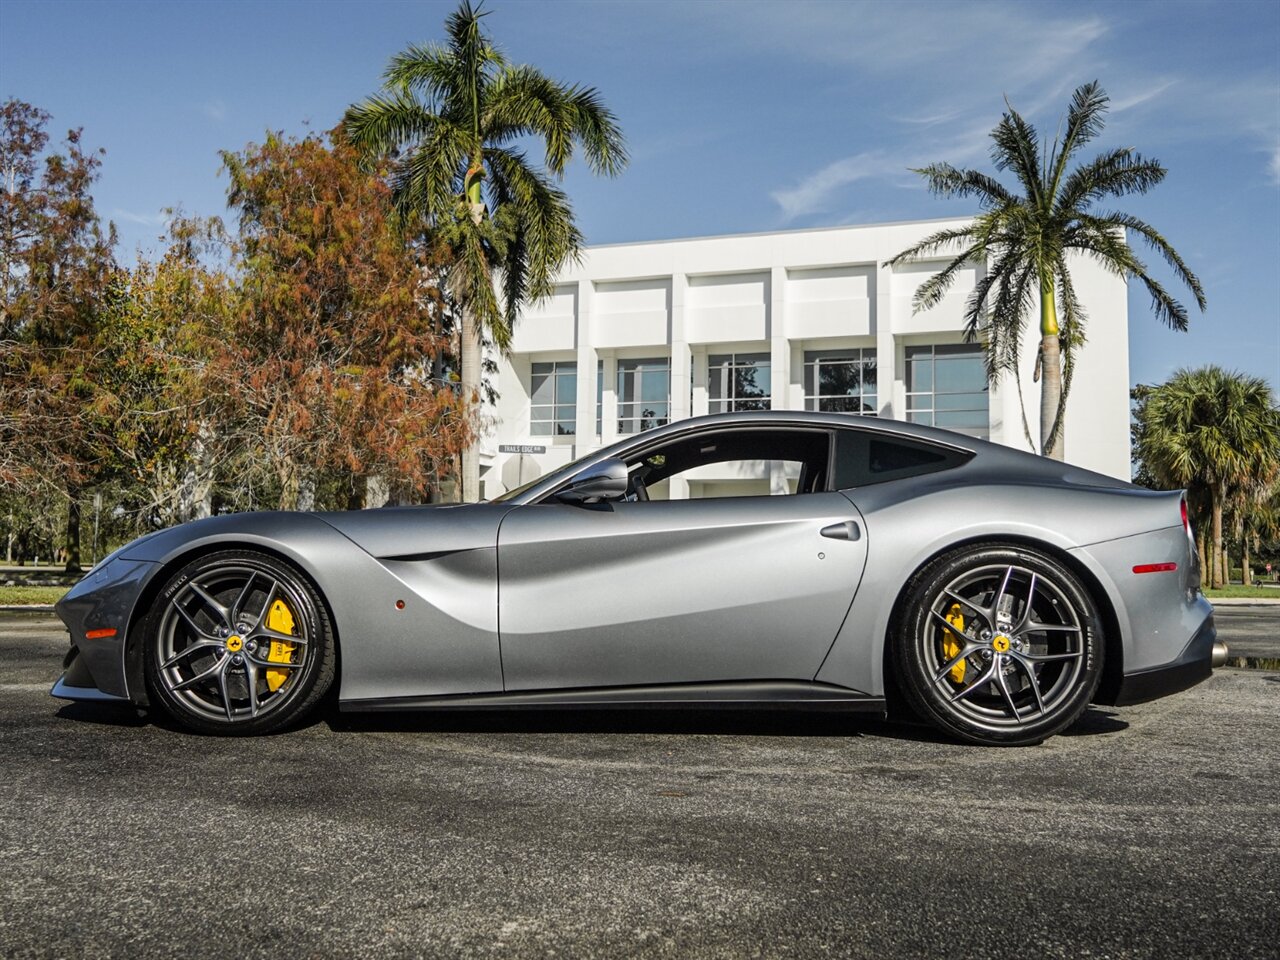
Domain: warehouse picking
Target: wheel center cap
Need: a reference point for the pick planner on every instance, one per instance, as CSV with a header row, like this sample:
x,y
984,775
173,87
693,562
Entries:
x,y
1000,643
235,642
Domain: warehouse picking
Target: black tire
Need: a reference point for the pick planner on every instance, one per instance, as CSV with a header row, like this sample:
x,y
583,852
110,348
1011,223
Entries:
x,y
211,656
1042,660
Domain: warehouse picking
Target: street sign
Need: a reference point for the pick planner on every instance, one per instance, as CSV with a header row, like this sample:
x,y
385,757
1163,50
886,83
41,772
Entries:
x,y
520,448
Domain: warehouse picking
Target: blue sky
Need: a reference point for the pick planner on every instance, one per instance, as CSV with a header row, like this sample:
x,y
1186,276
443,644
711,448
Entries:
x,y
741,116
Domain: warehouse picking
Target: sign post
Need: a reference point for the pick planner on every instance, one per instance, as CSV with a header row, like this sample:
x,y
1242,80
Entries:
x,y
521,450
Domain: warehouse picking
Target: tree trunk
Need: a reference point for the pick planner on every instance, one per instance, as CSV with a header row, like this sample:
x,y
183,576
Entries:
x,y
290,487
73,530
1050,373
1205,573
471,374
356,495
1246,577
1217,578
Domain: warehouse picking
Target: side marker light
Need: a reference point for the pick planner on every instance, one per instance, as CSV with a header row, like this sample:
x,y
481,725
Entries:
x,y
101,634
1155,567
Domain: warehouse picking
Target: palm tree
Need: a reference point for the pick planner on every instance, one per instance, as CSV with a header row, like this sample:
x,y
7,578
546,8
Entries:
x,y
1025,239
1257,515
1214,430
451,117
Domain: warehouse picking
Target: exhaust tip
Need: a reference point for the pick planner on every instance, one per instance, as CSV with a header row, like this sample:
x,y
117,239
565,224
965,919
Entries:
x,y
1219,654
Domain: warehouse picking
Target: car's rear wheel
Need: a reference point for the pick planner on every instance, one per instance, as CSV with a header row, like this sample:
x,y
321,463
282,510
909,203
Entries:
x,y
998,644
238,642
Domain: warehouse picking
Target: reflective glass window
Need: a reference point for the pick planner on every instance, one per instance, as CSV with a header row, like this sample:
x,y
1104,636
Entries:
x,y
738,381
841,381
644,394
553,393
947,387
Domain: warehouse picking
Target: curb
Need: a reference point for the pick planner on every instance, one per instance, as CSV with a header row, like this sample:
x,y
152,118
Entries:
x,y
27,608
1244,601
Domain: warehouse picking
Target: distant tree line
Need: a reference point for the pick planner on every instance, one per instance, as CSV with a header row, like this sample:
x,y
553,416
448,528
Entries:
x,y
1216,433
305,358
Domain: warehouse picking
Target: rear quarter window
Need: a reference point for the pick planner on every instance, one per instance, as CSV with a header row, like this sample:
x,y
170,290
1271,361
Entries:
x,y
864,458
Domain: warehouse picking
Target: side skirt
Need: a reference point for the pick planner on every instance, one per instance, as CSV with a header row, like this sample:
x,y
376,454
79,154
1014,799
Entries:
x,y
783,694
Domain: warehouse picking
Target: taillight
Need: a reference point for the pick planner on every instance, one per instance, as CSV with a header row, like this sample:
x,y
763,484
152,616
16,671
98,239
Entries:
x,y
1193,554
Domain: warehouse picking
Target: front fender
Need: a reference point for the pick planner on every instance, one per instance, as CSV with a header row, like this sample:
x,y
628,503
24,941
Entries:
x,y
442,638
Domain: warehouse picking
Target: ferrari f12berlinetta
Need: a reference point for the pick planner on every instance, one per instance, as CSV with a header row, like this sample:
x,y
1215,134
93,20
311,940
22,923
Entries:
x,y
990,592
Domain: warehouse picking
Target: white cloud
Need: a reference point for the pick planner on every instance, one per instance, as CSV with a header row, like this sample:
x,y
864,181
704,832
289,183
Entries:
x,y
813,193
1133,98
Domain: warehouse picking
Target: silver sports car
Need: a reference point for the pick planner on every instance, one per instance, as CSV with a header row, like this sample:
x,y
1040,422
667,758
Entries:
x,y
992,593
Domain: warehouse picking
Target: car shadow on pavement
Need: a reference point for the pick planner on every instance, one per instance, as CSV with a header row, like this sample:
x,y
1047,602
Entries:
x,y
719,722
708,722
716,722
104,714
1096,720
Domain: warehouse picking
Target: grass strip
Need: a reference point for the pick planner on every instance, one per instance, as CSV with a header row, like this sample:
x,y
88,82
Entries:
x,y
1237,592
20,596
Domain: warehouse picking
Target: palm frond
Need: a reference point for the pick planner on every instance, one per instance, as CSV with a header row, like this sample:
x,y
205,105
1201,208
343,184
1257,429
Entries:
x,y
429,180
477,61
524,101
548,235
1115,173
430,68
382,124
1085,118
1016,282
1158,243
597,129
944,180
933,244
931,292
1016,147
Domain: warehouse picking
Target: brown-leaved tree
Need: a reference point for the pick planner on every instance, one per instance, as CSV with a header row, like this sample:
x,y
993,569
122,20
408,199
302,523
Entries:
x,y
327,358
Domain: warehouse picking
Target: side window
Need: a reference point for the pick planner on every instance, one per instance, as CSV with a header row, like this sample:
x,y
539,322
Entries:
x,y
734,463
732,478
863,457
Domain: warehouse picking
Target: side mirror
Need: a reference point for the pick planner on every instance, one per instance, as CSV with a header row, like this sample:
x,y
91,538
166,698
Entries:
x,y
606,480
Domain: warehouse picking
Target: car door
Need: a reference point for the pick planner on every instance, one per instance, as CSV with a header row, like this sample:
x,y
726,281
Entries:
x,y
676,591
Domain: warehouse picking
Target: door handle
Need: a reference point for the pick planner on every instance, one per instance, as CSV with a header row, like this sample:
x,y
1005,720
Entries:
x,y
848,530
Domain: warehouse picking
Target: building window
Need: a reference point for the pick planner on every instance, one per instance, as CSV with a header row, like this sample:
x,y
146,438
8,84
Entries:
x,y
554,409
840,381
599,397
738,381
947,387
644,394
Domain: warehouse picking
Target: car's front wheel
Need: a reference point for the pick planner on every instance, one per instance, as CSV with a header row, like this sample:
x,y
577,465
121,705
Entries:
x,y
238,642
998,644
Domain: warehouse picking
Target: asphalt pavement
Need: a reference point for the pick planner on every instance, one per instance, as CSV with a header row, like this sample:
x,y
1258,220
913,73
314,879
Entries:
x,y
1148,831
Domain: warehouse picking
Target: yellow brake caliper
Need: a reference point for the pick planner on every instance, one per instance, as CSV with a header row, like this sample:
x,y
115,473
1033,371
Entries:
x,y
280,619
952,644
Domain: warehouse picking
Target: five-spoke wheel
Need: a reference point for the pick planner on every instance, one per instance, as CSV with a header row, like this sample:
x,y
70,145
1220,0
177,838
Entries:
x,y
998,645
238,642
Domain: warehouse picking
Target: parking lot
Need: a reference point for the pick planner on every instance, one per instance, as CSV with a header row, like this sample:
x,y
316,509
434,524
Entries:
x,y
1149,831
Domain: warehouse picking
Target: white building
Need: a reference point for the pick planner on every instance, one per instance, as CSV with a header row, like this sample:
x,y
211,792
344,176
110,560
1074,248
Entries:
x,y
640,333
